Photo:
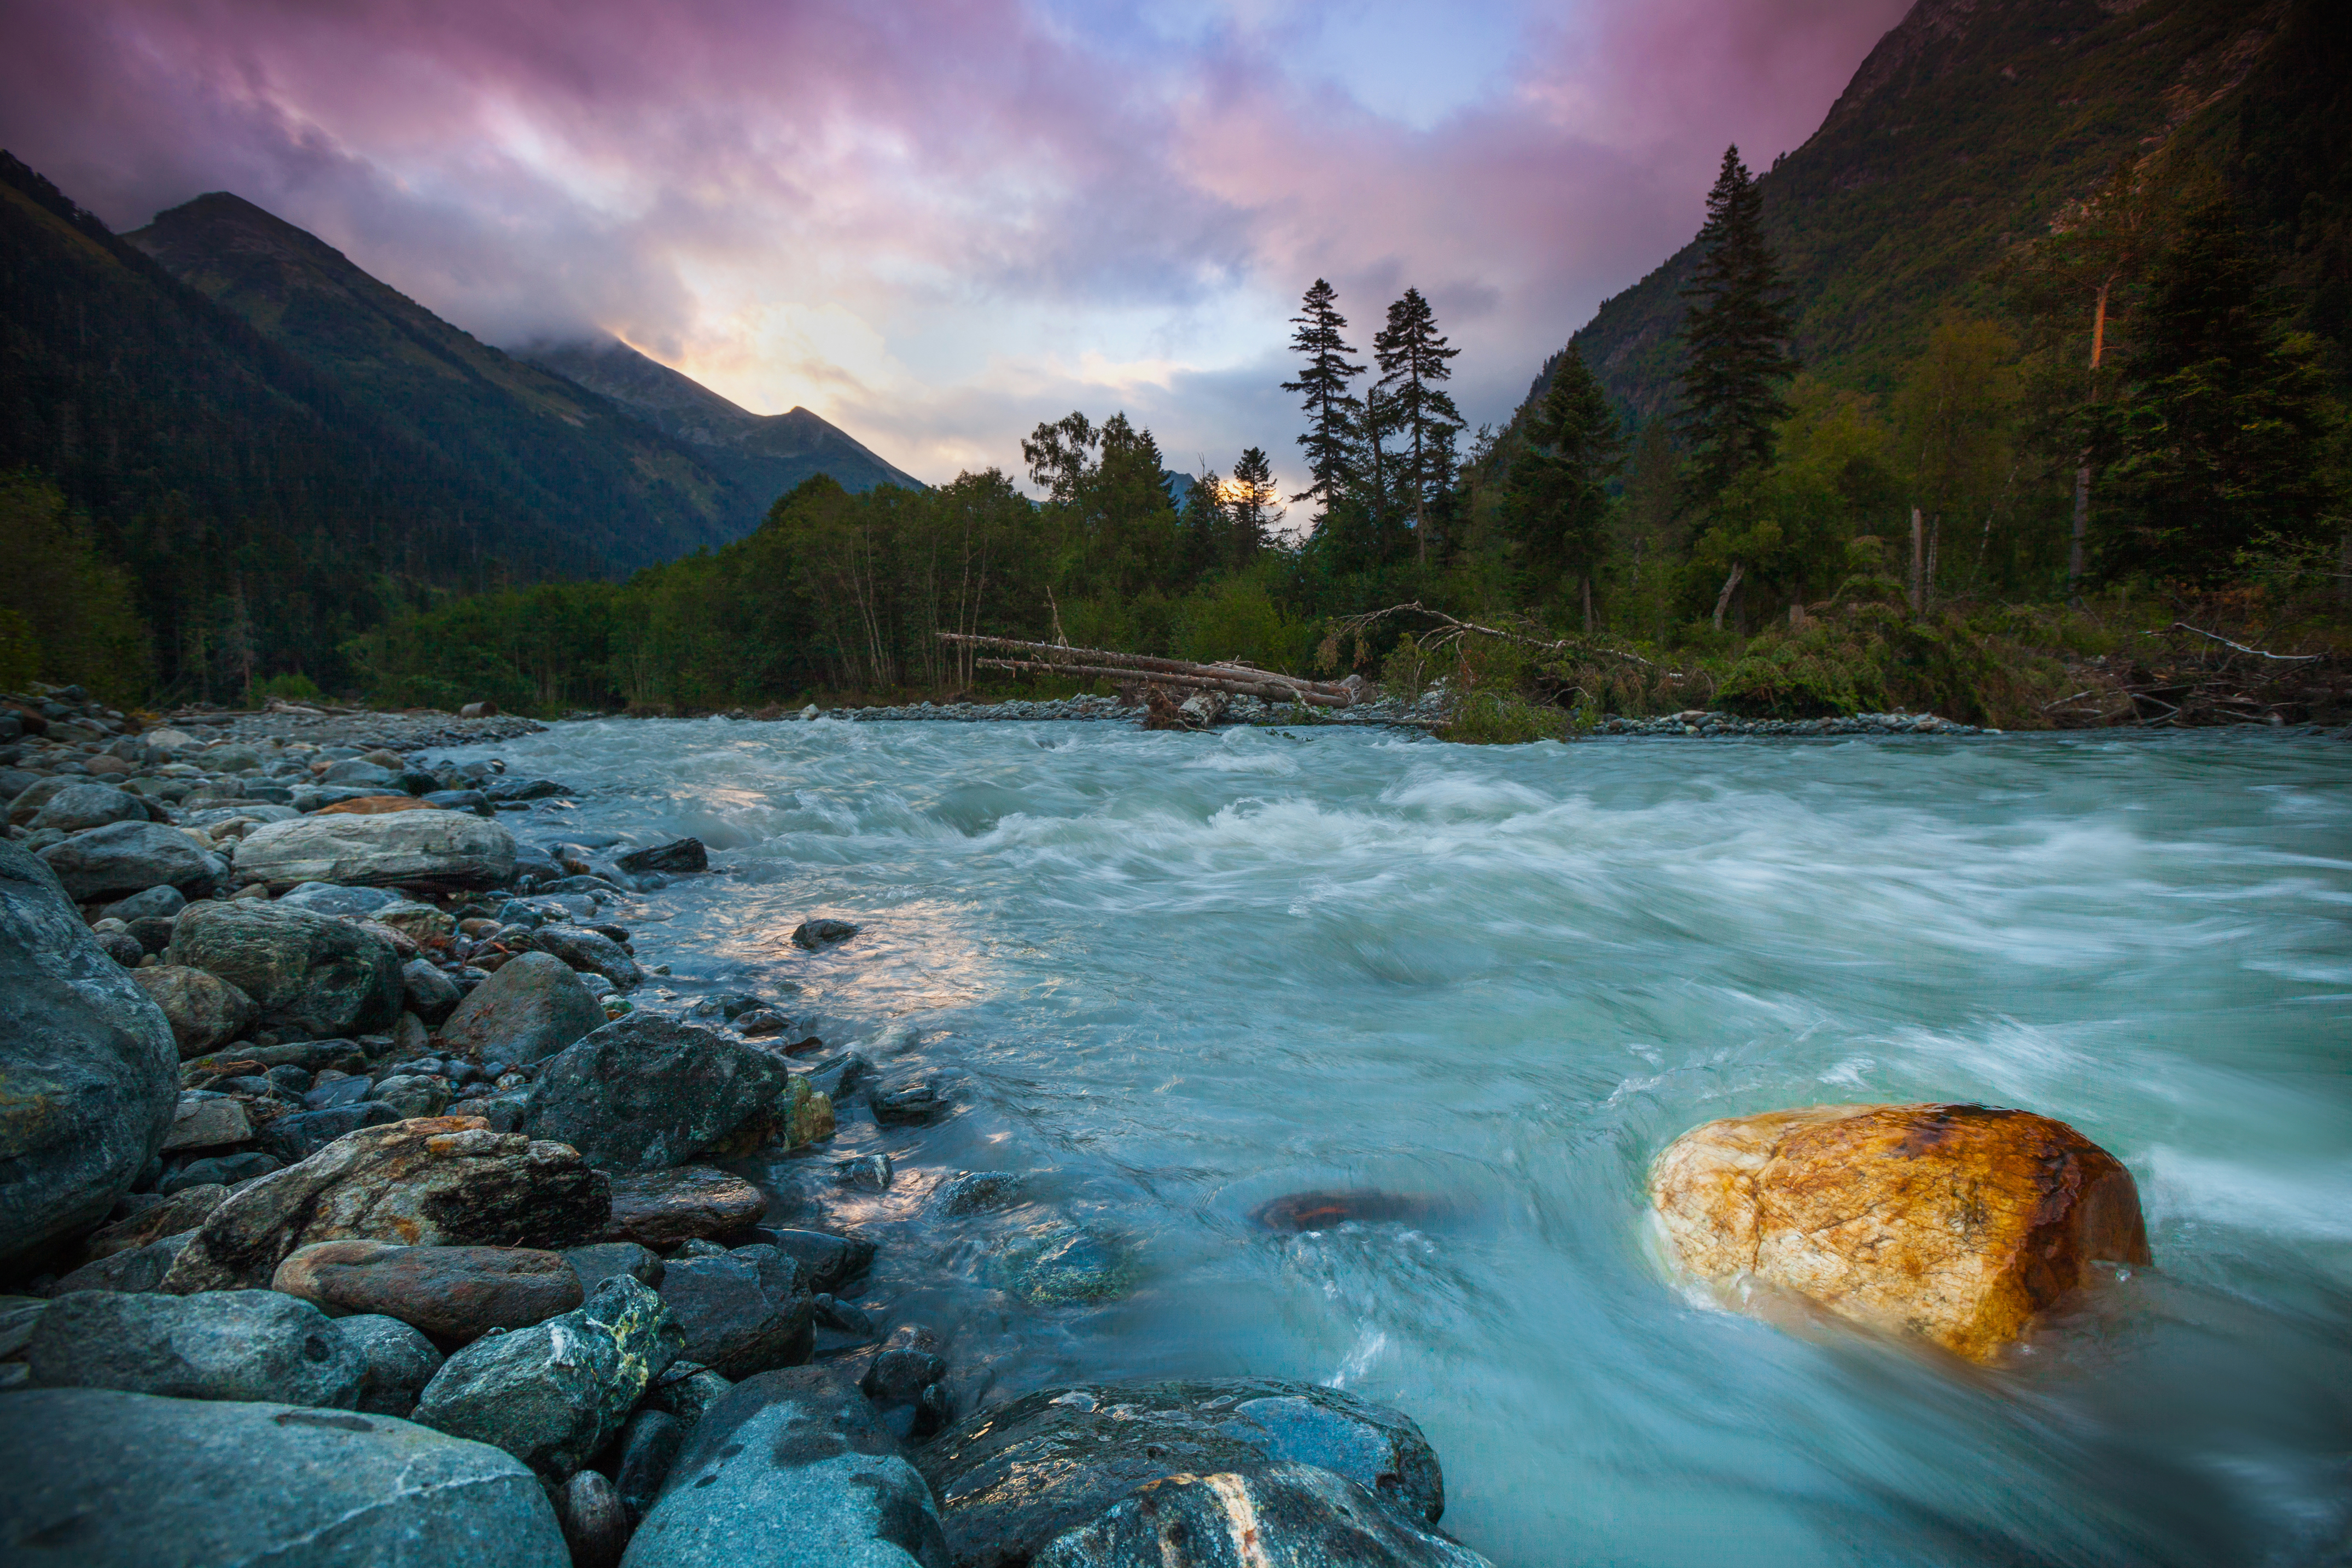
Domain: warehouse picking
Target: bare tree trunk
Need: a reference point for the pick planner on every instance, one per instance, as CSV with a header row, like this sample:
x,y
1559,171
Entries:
x,y
1918,561
1723,600
2344,572
1586,585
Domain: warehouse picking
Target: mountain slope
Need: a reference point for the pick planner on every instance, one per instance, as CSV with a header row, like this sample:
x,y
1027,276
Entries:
x,y
1967,130
620,490
768,454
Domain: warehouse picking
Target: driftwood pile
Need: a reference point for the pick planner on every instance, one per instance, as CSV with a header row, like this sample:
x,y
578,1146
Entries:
x,y
1163,676
2208,681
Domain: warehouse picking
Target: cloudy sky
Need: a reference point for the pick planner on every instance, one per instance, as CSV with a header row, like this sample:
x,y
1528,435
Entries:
x,y
937,221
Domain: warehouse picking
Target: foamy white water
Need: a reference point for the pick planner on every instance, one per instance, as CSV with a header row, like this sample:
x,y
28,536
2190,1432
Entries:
x,y
1181,975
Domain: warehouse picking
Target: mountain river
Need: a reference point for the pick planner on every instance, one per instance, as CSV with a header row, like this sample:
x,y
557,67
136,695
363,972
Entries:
x,y
1175,976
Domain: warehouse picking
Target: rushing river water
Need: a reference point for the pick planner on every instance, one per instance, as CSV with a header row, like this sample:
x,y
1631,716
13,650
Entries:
x,y
1179,975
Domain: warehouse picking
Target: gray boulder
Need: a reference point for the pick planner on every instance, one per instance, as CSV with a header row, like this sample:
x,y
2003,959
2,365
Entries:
x,y
141,1268
399,1362
26,803
428,993
678,857
221,1345
592,951
326,898
1292,1516
155,903
441,850
790,1467
743,1311
108,1480
646,1092
297,1137
80,807
307,974
89,1066
358,770
1011,1479
533,1007
205,1011
552,1395
123,858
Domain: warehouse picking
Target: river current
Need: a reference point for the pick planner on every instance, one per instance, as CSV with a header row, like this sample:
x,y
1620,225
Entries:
x,y
1174,976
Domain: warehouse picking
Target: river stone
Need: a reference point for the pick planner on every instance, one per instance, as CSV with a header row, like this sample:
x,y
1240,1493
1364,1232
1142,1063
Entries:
x,y
414,1094
451,1292
108,1479
327,898
822,933
662,1208
142,1268
1953,1223
649,1447
906,1382
206,1121
601,1260
182,1211
1271,1516
218,1344
435,848
533,1007
678,857
595,1525
27,803
552,1395
309,974
744,1312
375,805
80,807
428,993
420,923
1057,1261
444,1181
646,1093
399,1362
592,951
124,858
1011,1479
790,1467
89,1071
827,1261
205,1011
295,1138
229,756
153,904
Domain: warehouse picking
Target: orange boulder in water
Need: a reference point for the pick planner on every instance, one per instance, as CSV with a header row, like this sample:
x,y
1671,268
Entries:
x,y
1954,1223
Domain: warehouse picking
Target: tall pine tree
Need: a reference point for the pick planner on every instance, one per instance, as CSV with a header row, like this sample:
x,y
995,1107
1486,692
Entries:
x,y
1736,337
1413,359
1331,409
1556,498
1253,507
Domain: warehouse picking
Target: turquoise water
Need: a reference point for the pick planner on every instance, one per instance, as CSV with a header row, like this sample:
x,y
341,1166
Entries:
x,y
1178,976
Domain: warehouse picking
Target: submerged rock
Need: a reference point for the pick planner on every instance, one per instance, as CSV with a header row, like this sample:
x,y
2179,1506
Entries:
x,y
790,1468
88,1063
554,1393
1272,1516
1058,1261
1011,1479
822,933
442,1181
129,1480
1954,1223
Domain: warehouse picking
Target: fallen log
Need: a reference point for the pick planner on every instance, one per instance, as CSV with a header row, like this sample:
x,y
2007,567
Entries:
x,y
1268,690
1127,666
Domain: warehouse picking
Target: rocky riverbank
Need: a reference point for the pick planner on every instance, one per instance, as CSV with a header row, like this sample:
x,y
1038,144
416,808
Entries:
x,y
357,1163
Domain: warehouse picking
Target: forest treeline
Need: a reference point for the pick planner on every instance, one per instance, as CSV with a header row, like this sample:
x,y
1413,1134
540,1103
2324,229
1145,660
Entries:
x,y
2138,416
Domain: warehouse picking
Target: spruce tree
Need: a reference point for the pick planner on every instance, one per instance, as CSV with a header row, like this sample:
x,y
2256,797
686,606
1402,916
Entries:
x,y
2218,441
1557,496
1736,337
1413,359
1252,507
1331,410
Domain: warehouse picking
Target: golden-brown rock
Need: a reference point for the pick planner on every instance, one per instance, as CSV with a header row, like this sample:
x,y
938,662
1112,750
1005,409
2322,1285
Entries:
x,y
1956,1223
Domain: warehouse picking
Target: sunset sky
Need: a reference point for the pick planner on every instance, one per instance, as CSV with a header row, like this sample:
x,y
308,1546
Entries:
x,y
936,224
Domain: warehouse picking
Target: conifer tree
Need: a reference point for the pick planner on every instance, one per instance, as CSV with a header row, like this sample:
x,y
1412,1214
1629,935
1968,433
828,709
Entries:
x,y
2219,439
1736,337
1413,359
1556,498
1331,410
1253,506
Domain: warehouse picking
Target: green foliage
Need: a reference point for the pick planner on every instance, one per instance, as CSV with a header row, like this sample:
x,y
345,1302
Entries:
x,y
20,652
1735,338
79,621
1497,718
292,688
1556,498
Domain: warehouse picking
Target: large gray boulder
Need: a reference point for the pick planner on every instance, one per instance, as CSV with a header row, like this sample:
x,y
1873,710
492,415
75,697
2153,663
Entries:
x,y
556,1393
530,1009
429,848
790,1467
646,1093
1290,1516
89,1071
438,1182
80,807
1011,1479
205,1011
123,858
307,974
105,1480
744,1312
222,1345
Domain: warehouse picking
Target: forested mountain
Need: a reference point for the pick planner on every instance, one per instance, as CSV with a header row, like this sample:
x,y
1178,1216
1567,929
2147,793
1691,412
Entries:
x,y
624,493
1969,129
765,454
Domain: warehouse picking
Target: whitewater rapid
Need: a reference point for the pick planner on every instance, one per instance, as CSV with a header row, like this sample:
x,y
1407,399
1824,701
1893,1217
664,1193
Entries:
x,y
1176,976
